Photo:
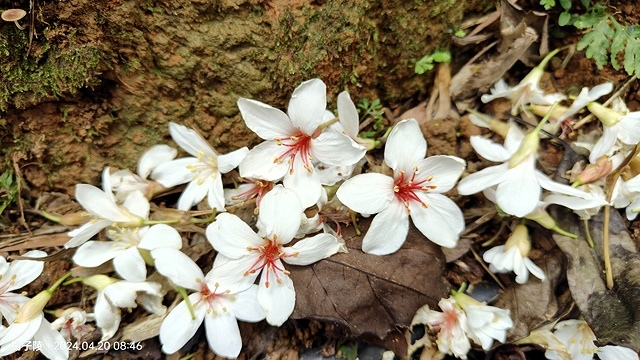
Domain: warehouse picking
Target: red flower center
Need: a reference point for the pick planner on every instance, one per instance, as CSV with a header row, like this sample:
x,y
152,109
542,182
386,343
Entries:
x,y
405,188
270,253
296,146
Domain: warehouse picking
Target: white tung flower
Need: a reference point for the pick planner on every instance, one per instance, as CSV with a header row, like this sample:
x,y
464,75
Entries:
x,y
202,171
292,143
124,248
105,211
517,179
72,323
13,276
415,190
451,325
615,126
243,254
513,256
578,338
485,323
217,304
114,294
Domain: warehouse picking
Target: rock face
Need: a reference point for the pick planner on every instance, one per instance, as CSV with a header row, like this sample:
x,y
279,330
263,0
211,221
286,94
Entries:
x,y
102,78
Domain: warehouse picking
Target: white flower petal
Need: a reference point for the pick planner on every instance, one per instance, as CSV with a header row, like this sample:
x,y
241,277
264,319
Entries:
x,y
278,299
514,138
349,118
629,128
25,271
99,203
306,184
605,144
107,317
161,235
312,249
441,221
9,305
260,163
215,198
612,352
519,193
483,179
178,267
53,344
190,141
130,265
368,193
280,212
107,185
556,187
231,236
444,170
153,157
534,269
230,161
233,274
307,105
137,204
246,306
178,327
266,121
175,172
489,149
334,148
96,253
574,203
85,232
223,334
194,193
405,146
388,230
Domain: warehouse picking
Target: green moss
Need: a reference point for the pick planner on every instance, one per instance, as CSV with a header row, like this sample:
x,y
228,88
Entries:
x,y
53,71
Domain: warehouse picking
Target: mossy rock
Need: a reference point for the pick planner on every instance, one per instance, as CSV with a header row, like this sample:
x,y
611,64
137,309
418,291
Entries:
x,y
102,79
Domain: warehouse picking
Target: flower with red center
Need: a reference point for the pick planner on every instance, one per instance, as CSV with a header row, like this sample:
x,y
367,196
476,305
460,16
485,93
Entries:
x,y
450,324
415,191
249,189
292,143
217,303
243,254
13,276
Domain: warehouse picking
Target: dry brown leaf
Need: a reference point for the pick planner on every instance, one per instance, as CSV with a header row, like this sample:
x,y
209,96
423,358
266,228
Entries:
x,y
614,315
375,297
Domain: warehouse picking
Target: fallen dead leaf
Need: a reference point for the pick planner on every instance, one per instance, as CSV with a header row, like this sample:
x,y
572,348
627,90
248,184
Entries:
x,y
375,297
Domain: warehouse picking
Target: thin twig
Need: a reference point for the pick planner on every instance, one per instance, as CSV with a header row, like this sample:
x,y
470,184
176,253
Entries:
x,y
486,268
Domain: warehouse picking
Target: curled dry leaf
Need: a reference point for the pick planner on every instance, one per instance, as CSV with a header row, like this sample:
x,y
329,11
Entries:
x,y
601,307
375,297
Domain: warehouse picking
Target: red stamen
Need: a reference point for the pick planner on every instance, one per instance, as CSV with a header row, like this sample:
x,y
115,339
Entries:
x,y
405,189
296,145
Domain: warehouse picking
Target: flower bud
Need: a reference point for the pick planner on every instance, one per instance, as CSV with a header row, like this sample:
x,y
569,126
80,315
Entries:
x,y
99,282
520,238
542,110
607,116
34,307
463,300
528,147
593,172
76,218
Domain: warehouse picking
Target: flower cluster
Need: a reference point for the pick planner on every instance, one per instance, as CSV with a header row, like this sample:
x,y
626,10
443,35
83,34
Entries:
x,y
308,174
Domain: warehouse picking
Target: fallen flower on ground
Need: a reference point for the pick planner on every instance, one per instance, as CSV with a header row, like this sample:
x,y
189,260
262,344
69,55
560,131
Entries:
x,y
292,143
15,275
114,294
246,254
202,171
451,325
72,323
105,211
217,304
513,256
415,190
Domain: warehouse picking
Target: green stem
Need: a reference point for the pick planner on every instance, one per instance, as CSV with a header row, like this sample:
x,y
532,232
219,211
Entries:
x,y
586,229
156,222
51,217
59,282
205,220
547,58
185,296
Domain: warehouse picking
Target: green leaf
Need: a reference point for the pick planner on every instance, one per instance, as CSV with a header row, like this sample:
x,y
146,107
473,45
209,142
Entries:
x,y
597,43
442,56
423,65
566,4
626,39
586,3
548,4
564,18
592,18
